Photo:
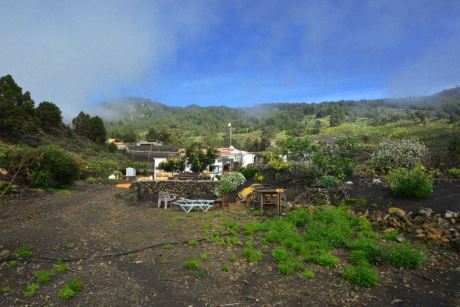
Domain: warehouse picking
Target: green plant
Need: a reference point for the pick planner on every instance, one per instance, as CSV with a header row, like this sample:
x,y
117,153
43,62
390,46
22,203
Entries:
x,y
287,263
90,180
403,153
359,258
225,267
6,289
323,257
363,276
229,183
167,246
31,289
308,274
60,267
413,183
193,243
391,234
232,258
249,172
70,289
23,251
405,256
192,264
7,187
252,255
455,172
328,182
40,179
44,276
12,264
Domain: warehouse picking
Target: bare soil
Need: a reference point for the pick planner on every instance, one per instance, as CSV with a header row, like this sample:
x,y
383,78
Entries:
x,y
95,220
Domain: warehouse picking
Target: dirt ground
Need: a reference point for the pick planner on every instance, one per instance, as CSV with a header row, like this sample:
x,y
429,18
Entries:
x,y
95,220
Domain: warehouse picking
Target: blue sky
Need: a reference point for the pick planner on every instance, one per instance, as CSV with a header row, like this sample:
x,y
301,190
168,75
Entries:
x,y
233,53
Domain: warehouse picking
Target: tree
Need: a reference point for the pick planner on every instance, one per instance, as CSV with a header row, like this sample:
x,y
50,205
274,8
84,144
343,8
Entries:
x,y
17,116
152,135
91,127
174,164
49,116
199,158
97,131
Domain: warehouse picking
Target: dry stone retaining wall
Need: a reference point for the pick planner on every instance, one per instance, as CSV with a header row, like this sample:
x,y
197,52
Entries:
x,y
190,189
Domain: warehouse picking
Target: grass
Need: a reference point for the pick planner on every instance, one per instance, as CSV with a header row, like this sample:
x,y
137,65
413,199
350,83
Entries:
x,y
71,289
193,243
308,274
405,256
363,276
225,267
6,289
252,255
287,262
31,289
391,234
192,264
12,264
167,246
60,267
23,251
44,276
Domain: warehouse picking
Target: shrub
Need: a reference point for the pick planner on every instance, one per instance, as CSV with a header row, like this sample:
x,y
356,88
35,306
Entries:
x,y
249,172
23,251
90,180
455,171
413,183
229,183
359,257
39,179
405,153
374,252
363,276
7,188
405,256
323,257
61,165
327,182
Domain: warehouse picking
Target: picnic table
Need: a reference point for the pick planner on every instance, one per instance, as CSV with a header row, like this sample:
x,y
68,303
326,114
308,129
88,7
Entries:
x,y
269,196
189,204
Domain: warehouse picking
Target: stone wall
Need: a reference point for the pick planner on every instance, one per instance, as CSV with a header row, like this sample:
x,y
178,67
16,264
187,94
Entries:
x,y
147,190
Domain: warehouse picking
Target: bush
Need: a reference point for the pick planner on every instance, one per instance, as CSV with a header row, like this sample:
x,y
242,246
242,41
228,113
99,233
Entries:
x,y
7,188
405,153
413,183
327,182
252,255
61,165
90,180
249,172
455,172
229,183
39,179
363,276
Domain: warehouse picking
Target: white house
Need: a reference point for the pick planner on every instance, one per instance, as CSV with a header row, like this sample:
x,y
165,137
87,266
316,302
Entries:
x,y
231,157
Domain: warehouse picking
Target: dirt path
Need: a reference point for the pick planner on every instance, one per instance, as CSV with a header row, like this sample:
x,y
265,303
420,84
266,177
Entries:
x,y
97,220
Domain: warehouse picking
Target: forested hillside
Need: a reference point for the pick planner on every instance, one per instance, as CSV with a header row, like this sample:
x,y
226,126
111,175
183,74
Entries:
x,y
255,127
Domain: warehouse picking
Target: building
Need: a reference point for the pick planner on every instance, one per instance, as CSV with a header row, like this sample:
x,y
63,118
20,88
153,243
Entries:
x,y
231,158
154,152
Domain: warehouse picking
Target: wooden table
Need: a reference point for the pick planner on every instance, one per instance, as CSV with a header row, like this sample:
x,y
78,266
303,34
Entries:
x,y
269,196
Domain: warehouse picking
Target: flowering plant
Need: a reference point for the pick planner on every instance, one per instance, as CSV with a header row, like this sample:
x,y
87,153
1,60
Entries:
x,y
229,183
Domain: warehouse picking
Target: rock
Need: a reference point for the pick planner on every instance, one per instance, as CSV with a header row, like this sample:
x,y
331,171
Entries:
x,y
4,254
419,220
449,214
434,234
400,238
349,183
426,212
397,211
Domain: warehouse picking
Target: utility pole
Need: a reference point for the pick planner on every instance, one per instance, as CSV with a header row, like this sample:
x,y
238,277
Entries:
x,y
230,130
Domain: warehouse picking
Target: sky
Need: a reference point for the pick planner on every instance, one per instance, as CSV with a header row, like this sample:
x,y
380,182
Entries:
x,y
78,54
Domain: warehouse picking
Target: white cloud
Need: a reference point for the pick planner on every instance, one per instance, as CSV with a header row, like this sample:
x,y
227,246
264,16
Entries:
x,y
70,51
